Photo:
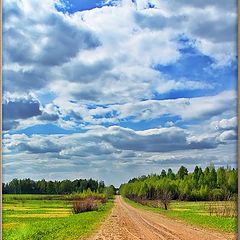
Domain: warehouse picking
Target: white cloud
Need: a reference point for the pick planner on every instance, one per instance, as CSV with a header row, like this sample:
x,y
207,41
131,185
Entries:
x,y
115,149
228,135
101,141
109,51
205,108
186,108
225,124
100,66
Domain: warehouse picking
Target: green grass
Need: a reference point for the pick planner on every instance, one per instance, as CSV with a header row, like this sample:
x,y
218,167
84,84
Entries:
x,y
28,217
194,213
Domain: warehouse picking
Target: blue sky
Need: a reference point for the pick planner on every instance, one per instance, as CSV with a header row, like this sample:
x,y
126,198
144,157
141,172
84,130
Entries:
x,y
117,89
75,5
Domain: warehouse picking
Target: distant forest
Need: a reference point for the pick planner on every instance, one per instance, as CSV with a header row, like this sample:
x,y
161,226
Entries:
x,y
199,185
20,186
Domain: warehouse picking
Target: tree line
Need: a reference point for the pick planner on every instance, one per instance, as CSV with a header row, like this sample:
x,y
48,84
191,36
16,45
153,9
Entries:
x,y
199,185
28,186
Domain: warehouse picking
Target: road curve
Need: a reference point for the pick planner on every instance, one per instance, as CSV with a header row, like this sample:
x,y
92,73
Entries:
x,y
128,223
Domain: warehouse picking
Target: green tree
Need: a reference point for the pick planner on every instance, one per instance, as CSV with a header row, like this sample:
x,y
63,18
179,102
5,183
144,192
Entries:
x,y
101,186
163,174
212,177
170,174
182,172
14,186
110,191
221,177
50,187
232,181
66,186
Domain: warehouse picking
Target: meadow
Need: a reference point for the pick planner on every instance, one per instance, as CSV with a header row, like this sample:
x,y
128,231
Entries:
x,y
196,213
47,217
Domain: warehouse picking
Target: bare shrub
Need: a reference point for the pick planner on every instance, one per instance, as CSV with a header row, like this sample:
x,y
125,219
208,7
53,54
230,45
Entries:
x,y
86,205
223,208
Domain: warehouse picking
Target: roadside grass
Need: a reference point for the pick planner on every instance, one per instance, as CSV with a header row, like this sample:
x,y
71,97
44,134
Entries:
x,y
31,218
193,213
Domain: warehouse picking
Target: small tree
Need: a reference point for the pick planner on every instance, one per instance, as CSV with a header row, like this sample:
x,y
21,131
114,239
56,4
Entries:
x,y
110,191
165,198
164,194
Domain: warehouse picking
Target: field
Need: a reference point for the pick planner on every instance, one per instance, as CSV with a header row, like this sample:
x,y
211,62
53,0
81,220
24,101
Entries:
x,y
196,213
45,217
49,217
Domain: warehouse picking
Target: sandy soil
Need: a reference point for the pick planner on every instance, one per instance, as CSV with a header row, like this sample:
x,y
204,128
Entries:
x,y
128,223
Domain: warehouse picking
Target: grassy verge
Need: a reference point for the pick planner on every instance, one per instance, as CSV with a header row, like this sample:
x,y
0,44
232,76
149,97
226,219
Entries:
x,y
193,213
35,219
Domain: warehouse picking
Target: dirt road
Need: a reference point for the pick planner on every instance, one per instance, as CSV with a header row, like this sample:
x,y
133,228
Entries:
x,y
128,223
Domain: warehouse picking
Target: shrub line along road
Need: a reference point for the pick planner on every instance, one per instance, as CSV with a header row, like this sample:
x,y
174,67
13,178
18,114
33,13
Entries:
x,y
128,223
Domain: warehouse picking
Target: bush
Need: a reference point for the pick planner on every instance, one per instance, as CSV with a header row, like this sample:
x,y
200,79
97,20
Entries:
x,y
217,194
86,205
88,195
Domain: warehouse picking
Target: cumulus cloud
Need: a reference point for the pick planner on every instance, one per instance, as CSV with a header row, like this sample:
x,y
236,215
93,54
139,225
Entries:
x,y
130,84
37,41
41,147
49,117
155,21
203,108
72,114
24,112
212,38
102,141
120,149
24,79
8,125
157,140
225,124
50,112
20,109
186,160
221,4
228,135
50,39
82,48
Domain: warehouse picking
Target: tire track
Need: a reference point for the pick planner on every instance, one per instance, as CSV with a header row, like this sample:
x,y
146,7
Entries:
x,y
159,230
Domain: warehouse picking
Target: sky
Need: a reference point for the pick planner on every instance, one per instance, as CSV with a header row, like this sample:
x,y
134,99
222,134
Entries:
x,y
114,89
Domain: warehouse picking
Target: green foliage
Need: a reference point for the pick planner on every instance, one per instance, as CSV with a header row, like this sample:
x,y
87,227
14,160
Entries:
x,y
163,173
86,194
182,172
231,181
28,186
199,185
110,191
170,174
